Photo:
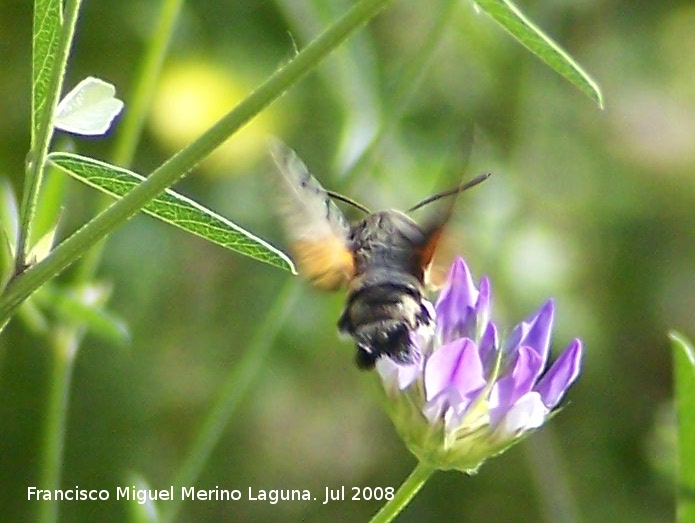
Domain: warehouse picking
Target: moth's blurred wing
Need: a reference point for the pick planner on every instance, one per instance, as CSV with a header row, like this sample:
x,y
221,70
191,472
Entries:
x,y
436,253
450,244
315,227
430,255
439,239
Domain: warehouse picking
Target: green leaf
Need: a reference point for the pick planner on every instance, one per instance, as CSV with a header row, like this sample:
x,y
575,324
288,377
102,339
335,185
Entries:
x,y
83,305
512,20
144,511
42,247
33,318
172,208
9,215
684,382
48,19
50,201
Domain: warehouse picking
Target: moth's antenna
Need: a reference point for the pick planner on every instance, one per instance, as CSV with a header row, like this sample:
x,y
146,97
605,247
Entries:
x,y
349,201
472,183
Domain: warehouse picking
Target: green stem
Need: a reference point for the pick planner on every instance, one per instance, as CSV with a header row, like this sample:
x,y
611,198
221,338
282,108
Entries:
x,y
130,127
405,493
684,397
66,339
39,147
180,164
59,388
408,81
546,464
63,353
231,394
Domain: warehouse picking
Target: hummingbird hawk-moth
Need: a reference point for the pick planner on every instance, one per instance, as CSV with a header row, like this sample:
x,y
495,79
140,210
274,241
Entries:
x,y
381,259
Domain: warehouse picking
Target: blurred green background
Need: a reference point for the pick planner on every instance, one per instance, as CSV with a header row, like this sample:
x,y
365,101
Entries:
x,y
595,208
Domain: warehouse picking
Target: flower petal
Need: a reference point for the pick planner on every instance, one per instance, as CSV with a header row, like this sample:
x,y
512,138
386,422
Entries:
x,y
456,303
440,406
488,347
561,375
456,364
527,413
89,109
534,332
397,376
515,384
483,304
538,338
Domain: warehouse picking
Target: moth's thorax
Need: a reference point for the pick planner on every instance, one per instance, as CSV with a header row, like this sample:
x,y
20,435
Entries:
x,y
387,239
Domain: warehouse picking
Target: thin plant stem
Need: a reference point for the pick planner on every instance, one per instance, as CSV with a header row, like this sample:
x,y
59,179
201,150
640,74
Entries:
x,y
64,349
552,488
181,163
130,128
234,389
350,77
59,388
230,396
409,80
66,339
42,138
683,354
405,493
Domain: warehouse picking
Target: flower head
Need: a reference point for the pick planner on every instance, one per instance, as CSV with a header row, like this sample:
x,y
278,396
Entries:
x,y
468,396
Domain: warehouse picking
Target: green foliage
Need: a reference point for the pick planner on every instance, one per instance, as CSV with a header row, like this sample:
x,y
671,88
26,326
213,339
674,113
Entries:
x,y
684,368
51,40
175,168
83,305
172,208
141,511
626,236
9,218
49,204
528,34
48,19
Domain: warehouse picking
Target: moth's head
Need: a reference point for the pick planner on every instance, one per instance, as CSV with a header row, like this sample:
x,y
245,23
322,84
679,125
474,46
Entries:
x,y
387,224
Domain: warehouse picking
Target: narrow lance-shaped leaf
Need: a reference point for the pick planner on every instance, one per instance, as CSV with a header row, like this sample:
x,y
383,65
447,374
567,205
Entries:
x,y
506,14
684,382
172,208
48,19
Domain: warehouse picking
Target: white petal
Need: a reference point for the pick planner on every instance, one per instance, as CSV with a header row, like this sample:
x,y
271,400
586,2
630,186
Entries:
x,y
88,109
527,413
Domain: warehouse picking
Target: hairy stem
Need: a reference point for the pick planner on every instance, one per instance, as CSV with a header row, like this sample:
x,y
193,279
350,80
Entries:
x,y
42,139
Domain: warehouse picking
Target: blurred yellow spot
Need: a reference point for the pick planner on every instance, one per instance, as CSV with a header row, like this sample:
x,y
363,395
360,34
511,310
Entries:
x,y
191,97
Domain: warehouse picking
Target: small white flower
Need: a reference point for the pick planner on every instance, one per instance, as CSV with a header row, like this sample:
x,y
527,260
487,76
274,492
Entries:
x,y
88,109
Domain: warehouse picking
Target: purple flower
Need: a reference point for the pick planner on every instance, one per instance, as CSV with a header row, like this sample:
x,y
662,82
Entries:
x,y
467,396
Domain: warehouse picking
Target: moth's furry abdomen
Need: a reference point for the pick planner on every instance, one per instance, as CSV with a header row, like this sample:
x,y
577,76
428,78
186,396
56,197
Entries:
x,y
380,317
